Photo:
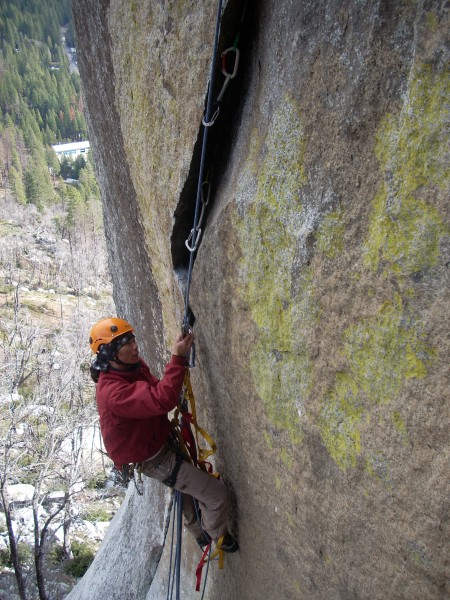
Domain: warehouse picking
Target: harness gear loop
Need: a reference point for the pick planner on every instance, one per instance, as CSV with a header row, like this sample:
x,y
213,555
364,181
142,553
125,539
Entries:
x,y
128,473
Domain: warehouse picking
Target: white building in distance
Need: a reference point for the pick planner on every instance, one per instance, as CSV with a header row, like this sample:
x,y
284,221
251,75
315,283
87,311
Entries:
x,y
71,150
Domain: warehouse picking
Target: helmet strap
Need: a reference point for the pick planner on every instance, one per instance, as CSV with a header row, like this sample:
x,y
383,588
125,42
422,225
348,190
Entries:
x,y
120,362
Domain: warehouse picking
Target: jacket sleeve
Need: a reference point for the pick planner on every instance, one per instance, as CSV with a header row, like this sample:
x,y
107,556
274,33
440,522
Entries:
x,y
143,399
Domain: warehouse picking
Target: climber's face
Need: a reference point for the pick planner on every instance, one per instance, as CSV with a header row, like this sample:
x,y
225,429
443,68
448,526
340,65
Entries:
x,y
129,352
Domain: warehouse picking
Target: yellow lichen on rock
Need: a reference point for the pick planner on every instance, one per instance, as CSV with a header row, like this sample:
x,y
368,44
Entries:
x,y
404,233
282,304
382,353
413,150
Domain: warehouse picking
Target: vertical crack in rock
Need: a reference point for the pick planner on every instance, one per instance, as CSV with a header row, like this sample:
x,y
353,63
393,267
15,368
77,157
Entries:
x,y
220,137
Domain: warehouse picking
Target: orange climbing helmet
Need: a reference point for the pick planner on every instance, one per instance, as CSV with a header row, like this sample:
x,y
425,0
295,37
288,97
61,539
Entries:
x,y
107,330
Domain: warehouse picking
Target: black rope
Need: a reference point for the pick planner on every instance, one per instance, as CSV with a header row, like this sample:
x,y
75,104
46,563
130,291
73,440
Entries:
x,y
209,107
170,578
208,120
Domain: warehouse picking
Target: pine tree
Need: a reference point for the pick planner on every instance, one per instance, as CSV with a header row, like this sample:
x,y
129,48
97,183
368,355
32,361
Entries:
x,y
38,184
16,185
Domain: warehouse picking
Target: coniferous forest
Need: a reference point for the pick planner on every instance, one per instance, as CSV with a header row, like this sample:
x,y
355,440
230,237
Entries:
x,y
40,98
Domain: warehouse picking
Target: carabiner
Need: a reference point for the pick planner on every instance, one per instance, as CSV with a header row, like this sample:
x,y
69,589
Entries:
x,y
231,75
186,328
213,118
193,248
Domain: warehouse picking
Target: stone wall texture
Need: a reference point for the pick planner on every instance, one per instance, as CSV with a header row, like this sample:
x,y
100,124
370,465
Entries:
x,y
320,288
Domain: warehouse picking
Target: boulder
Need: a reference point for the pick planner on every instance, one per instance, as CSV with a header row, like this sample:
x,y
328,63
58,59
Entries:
x,y
20,492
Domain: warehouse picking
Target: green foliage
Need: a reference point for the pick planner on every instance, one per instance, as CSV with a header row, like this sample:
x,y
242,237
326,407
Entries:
x,y
38,184
56,554
24,552
40,100
98,481
83,555
88,182
17,186
71,168
52,160
5,558
96,513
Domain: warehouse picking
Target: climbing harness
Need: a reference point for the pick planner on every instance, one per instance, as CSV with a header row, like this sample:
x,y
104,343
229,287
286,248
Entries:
x,y
181,426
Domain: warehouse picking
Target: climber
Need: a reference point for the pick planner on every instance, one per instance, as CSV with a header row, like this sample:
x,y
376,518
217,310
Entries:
x,y
133,407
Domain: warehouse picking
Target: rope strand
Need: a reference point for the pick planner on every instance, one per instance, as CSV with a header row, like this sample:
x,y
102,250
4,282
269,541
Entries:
x,y
209,107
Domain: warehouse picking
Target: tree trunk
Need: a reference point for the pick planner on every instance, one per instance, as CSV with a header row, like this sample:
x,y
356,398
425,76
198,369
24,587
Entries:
x,y
39,556
14,550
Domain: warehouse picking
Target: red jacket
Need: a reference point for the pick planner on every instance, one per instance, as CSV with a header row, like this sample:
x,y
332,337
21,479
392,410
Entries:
x,y
133,407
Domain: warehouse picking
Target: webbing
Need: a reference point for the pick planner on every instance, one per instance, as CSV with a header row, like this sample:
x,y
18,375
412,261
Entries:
x,y
187,409
198,455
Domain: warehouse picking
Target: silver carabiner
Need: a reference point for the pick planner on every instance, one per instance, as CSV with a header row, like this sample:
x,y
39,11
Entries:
x,y
213,118
231,75
193,248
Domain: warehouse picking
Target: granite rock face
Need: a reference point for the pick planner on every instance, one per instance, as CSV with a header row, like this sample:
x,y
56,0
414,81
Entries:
x,y
320,288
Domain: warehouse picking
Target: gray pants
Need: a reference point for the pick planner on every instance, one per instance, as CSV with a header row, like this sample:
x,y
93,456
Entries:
x,y
212,495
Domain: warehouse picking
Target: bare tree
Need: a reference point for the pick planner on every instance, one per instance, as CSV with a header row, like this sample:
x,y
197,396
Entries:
x,y
46,407
43,429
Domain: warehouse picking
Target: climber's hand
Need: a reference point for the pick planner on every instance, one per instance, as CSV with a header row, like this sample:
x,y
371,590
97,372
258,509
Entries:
x,y
183,344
